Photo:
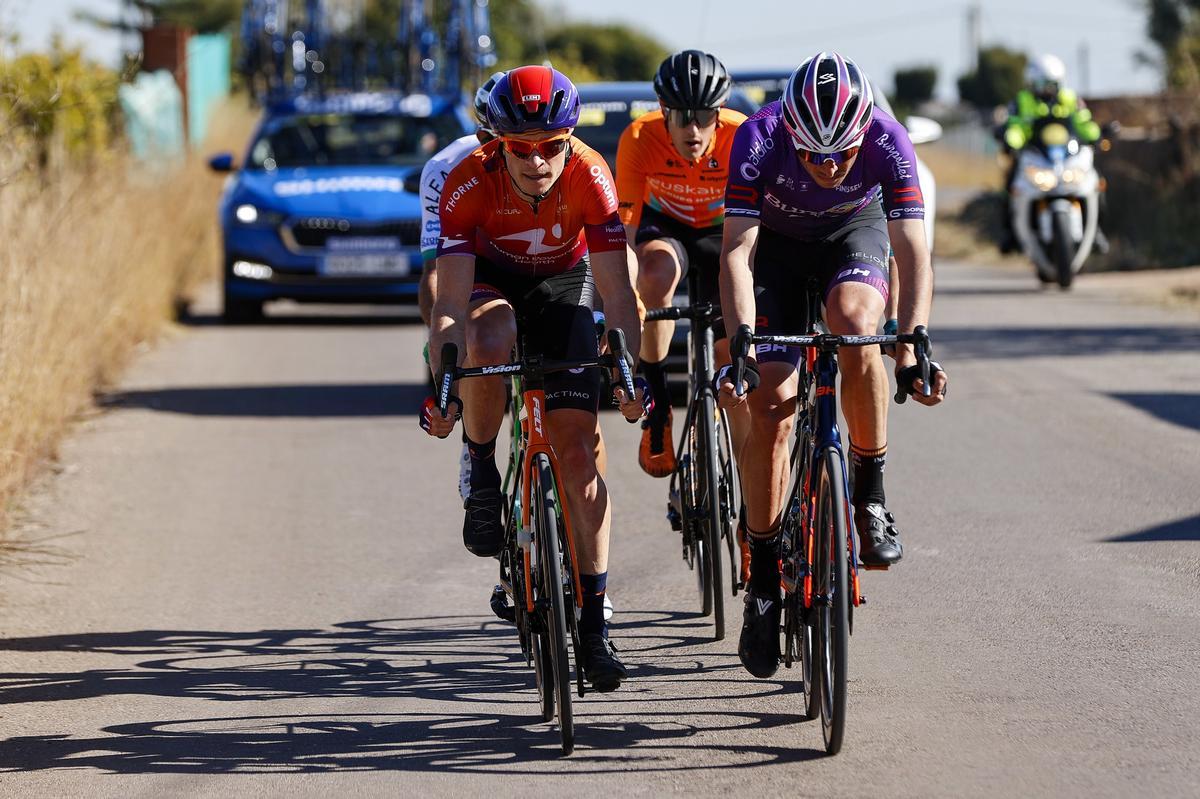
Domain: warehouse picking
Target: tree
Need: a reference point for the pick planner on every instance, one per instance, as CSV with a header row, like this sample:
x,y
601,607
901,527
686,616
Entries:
x,y
915,85
1000,75
1174,27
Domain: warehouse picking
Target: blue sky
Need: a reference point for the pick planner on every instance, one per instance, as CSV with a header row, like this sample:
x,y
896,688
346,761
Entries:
x,y
880,35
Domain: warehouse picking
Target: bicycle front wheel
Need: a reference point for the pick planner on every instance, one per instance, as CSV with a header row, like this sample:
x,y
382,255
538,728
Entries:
x,y
551,595
831,599
706,423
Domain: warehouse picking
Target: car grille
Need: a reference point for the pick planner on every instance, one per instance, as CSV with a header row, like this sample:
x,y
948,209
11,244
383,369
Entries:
x,y
314,232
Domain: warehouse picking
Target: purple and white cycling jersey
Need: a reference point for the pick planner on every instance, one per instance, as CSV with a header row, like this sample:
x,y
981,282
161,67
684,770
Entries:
x,y
768,182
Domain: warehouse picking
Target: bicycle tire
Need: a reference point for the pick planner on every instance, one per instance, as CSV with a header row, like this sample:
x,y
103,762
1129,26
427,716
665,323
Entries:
x,y
710,519
831,598
691,471
731,497
558,634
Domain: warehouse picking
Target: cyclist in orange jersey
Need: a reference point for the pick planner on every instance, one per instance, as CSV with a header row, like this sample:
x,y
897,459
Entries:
x,y
672,167
529,233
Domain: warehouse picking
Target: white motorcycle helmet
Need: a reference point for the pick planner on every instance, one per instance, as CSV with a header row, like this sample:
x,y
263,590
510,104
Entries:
x,y
1045,76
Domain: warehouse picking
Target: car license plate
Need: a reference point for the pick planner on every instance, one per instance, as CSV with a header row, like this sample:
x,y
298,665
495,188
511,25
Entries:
x,y
377,265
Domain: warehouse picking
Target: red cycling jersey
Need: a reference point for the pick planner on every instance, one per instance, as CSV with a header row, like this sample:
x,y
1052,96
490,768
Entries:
x,y
483,214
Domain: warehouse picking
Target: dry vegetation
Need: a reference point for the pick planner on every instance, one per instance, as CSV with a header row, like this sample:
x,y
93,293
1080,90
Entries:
x,y
92,264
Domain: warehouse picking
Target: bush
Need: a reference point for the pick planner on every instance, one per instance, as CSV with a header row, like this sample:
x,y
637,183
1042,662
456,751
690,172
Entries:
x,y
57,107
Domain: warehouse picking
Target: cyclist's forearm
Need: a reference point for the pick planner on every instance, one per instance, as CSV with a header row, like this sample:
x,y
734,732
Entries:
x,y
915,274
737,276
615,274
448,323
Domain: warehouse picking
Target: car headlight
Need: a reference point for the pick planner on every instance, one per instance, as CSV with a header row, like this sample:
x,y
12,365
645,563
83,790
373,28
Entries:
x,y
1043,179
248,214
1070,176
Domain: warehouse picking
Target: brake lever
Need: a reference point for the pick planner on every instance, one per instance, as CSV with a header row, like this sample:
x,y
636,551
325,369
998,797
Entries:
x,y
739,349
616,345
449,369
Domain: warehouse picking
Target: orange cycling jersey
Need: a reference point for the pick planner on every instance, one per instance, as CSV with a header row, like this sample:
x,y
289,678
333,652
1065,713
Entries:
x,y
483,214
650,171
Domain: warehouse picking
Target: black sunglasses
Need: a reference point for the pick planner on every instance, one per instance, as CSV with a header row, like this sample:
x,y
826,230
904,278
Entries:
x,y
682,117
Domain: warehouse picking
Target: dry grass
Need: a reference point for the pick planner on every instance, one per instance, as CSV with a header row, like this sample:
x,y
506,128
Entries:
x,y
92,265
960,169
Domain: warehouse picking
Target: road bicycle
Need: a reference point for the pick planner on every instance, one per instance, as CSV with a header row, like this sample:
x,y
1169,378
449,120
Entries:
x,y
703,496
819,551
539,570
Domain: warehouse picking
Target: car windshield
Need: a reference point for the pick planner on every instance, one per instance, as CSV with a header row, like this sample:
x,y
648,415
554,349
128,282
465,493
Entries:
x,y
352,140
601,123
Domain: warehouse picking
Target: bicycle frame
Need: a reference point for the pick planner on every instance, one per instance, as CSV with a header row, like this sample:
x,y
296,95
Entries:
x,y
533,440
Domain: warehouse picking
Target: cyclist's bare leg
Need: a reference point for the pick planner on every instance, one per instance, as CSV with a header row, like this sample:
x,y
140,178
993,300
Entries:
x,y
854,309
764,456
572,433
601,451
660,263
491,333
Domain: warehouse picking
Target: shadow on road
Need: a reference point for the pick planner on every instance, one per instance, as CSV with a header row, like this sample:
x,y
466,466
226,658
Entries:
x,y
463,698
1180,409
344,318
1034,342
354,400
1181,530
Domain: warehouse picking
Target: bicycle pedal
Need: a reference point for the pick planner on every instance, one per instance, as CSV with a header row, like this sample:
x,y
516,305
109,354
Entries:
x,y
875,567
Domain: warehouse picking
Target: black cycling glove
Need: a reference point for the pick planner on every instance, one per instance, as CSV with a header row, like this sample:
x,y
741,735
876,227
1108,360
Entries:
x,y
908,375
751,376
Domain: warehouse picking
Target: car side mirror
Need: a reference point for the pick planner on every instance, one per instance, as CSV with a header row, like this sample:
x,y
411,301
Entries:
x,y
922,130
221,162
412,182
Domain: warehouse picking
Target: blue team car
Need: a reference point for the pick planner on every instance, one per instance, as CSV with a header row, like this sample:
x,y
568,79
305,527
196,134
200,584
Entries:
x,y
325,208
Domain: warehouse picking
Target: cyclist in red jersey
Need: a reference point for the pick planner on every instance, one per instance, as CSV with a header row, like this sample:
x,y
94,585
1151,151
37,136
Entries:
x,y
529,232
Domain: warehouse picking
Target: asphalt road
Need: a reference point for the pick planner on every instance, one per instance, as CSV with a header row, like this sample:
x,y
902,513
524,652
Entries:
x,y
259,588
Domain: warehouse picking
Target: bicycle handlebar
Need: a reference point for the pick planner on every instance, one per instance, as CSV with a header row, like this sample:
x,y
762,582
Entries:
x,y
693,312
739,350
617,358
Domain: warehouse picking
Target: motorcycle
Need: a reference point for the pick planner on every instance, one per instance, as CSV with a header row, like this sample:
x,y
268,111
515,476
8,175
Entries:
x,y
1055,201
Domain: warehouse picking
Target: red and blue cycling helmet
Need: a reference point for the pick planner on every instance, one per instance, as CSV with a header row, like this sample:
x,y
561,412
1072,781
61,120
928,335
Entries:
x,y
533,98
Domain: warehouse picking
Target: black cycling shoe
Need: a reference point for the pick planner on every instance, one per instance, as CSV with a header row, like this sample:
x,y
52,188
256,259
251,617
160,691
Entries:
x,y
879,539
483,532
601,666
758,646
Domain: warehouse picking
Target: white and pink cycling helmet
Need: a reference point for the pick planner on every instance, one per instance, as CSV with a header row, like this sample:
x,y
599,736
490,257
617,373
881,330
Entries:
x,y
828,104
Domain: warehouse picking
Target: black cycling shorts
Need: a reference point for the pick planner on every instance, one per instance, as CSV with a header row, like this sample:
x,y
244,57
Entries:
x,y
554,315
703,248
784,267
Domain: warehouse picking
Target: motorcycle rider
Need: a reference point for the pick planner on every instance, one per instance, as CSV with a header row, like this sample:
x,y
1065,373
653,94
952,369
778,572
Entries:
x,y
1045,95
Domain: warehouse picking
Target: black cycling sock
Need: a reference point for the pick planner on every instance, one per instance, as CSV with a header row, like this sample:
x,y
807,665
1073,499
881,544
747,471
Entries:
x,y
868,474
484,473
764,562
592,618
656,376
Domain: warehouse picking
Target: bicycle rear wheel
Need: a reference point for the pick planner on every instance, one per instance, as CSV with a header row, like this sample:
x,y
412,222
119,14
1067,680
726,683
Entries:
x,y
831,599
551,596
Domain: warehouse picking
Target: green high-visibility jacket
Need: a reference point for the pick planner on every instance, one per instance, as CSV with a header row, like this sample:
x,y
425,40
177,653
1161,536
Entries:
x,y
1027,109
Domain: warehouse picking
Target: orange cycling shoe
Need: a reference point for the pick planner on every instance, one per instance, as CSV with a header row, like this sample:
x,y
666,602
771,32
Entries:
x,y
656,455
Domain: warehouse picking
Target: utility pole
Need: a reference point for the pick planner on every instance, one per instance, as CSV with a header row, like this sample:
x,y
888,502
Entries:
x,y
1085,68
974,35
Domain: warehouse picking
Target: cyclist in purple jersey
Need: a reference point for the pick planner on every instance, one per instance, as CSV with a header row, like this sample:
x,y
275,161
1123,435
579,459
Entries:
x,y
819,182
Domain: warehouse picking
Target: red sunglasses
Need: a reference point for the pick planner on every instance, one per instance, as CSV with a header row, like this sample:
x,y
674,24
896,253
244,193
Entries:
x,y
546,148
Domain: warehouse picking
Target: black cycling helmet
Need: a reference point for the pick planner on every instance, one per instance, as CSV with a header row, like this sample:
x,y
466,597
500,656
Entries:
x,y
692,79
